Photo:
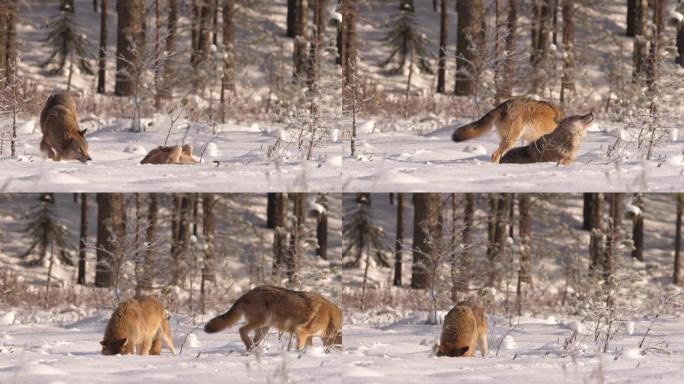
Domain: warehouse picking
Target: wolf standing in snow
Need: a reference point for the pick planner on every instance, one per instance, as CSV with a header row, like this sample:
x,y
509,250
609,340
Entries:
x,y
516,118
304,314
465,326
62,139
138,324
559,146
174,154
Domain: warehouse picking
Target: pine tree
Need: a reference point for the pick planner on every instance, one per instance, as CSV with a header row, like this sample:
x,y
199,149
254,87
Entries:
x,y
46,231
407,42
362,235
67,43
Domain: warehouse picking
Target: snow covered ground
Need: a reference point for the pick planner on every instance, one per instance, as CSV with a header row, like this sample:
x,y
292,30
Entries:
x,y
235,160
410,160
40,353
531,351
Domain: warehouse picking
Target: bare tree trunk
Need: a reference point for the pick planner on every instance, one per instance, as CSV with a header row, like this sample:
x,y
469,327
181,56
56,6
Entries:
x,y
399,244
349,51
678,239
301,40
638,229
541,40
443,41
291,18
426,232
208,230
596,244
102,54
281,234
322,229
180,264
271,210
468,59
11,47
613,235
129,44
640,42
587,211
146,281
169,70
228,81
83,240
111,235
525,224
631,17
568,81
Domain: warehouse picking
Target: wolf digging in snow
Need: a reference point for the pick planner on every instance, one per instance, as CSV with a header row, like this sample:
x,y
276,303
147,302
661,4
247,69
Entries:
x,y
305,314
62,139
465,326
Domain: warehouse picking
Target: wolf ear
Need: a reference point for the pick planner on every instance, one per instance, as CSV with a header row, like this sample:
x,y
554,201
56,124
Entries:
x,y
83,131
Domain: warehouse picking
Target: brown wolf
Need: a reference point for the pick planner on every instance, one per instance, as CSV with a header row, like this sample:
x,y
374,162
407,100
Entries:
x,y
305,314
516,118
174,154
138,324
559,146
62,139
464,327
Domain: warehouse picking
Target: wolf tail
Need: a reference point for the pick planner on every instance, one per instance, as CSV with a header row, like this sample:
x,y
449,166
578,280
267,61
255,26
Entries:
x,y
225,320
477,128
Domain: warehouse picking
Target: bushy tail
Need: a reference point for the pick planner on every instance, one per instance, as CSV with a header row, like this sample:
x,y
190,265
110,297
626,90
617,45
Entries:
x,y
477,128
225,320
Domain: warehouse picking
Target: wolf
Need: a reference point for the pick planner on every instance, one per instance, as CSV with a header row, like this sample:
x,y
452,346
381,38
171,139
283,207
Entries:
x,y
464,327
174,154
138,324
559,146
516,118
305,314
62,138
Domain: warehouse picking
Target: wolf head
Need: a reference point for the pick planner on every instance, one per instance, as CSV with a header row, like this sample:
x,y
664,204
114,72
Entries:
x,y
75,147
451,350
114,347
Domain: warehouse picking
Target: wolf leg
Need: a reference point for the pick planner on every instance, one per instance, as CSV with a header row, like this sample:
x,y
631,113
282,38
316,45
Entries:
x,y
156,345
166,336
510,132
244,333
260,334
483,344
144,347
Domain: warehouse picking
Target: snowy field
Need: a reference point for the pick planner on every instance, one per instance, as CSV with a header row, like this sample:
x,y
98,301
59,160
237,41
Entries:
x,y
531,351
39,353
235,159
411,161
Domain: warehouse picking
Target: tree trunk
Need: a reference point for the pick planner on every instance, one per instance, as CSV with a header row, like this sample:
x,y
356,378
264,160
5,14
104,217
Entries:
x,y
228,80
596,245
680,43
208,230
443,41
129,44
631,17
202,17
4,8
426,233
281,232
169,70
271,210
455,271
568,80
638,229
301,40
587,211
525,229
11,47
102,54
468,59
83,240
180,262
291,18
640,42
399,244
322,229
111,236
613,235
349,52
145,283
67,6
678,239
541,40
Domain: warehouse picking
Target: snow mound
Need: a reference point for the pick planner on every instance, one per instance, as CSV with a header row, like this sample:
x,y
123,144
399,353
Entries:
x,y
334,135
476,149
675,160
508,342
7,318
594,127
335,161
551,320
136,149
212,150
317,351
361,372
192,341
633,353
674,134
25,127
366,127
37,369
58,178
631,326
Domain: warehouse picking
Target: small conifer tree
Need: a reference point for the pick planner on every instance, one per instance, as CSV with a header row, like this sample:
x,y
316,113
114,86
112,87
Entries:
x,y
407,42
361,234
66,42
46,232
